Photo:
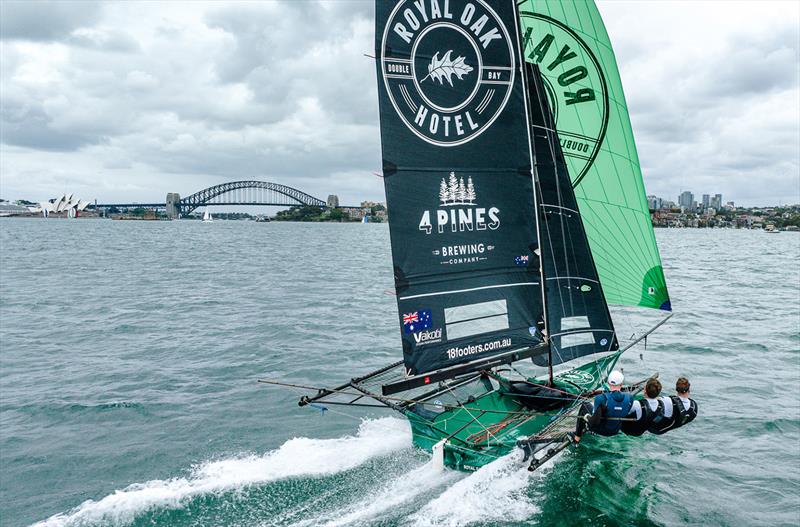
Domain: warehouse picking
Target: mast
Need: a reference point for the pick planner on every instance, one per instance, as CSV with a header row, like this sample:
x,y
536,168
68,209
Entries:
x,y
534,179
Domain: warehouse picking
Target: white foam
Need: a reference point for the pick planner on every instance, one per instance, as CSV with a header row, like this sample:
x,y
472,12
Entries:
x,y
494,492
296,457
387,497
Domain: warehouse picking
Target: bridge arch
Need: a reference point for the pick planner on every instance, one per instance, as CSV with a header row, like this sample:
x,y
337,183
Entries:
x,y
248,193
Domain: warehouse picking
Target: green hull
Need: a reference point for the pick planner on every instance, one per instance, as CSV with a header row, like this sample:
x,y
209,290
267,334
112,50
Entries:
x,y
487,426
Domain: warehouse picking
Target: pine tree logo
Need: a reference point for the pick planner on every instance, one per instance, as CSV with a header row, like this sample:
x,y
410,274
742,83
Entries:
x,y
455,192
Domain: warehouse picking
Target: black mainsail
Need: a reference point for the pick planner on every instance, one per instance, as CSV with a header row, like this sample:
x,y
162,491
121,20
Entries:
x,y
457,168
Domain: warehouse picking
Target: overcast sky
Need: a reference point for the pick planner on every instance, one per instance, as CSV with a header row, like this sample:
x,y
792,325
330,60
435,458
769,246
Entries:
x,y
127,101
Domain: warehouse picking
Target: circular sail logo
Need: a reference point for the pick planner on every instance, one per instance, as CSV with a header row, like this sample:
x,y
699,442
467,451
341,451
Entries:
x,y
448,68
575,86
580,377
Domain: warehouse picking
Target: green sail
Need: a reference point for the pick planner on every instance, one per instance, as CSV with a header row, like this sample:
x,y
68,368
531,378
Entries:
x,y
569,43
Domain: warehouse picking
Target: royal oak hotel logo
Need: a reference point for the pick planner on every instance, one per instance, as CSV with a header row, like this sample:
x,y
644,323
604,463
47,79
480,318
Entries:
x,y
448,67
575,85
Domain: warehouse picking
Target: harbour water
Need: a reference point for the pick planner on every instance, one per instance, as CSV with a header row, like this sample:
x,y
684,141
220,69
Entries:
x,y
129,354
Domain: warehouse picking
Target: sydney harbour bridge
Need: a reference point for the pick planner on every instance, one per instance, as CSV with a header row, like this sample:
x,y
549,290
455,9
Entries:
x,y
230,193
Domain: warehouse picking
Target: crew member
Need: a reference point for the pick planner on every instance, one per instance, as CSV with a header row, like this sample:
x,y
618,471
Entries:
x,y
607,411
662,408
684,406
642,411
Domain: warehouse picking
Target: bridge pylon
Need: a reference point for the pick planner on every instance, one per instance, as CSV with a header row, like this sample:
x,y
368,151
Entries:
x,y
173,208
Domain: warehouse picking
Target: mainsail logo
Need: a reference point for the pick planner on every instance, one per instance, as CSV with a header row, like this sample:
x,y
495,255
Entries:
x,y
454,192
448,67
458,212
575,86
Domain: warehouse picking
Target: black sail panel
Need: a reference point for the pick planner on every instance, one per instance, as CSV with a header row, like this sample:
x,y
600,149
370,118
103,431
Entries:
x,y
458,178
578,321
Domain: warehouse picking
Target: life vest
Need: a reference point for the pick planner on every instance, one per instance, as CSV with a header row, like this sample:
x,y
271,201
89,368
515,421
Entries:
x,y
613,412
683,416
660,423
639,426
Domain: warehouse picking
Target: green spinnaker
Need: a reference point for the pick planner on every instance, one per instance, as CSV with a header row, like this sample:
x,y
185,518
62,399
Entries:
x,y
569,42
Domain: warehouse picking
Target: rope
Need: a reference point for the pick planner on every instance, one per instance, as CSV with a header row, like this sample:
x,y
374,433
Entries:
x,y
474,419
571,395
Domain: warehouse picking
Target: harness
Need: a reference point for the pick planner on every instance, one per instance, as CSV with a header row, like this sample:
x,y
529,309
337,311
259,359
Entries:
x,y
614,412
661,423
657,415
684,416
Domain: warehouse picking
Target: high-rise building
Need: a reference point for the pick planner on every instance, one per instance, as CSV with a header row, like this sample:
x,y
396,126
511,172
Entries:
x,y
686,200
333,200
716,201
655,203
706,201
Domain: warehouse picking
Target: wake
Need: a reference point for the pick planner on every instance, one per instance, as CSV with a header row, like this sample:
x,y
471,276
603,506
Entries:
x,y
428,496
296,457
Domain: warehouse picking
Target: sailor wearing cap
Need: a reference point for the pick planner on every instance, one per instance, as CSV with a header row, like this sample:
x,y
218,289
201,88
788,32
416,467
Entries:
x,y
606,412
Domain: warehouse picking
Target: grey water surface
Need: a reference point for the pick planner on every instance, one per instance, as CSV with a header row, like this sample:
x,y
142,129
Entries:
x,y
130,351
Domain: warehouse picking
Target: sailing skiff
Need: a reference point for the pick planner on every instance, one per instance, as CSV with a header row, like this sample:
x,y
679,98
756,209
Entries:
x,y
517,215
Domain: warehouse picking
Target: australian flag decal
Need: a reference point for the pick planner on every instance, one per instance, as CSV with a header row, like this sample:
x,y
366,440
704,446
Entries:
x,y
417,321
521,260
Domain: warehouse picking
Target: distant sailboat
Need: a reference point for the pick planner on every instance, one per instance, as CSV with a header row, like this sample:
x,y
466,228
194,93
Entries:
x,y
207,217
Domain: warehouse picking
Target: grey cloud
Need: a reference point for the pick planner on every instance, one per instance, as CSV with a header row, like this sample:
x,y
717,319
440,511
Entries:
x,y
115,41
45,20
30,126
302,49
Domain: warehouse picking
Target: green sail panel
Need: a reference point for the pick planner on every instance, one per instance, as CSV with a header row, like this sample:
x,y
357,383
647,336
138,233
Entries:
x,y
569,43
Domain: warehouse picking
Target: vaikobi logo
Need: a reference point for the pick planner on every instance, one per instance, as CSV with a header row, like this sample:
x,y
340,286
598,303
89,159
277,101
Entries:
x,y
448,67
575,85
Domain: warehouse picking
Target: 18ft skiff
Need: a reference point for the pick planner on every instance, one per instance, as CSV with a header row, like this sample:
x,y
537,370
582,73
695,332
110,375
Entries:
x,y
517,214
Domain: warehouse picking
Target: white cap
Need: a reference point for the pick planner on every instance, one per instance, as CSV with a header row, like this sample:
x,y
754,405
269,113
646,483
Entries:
x,y
616,378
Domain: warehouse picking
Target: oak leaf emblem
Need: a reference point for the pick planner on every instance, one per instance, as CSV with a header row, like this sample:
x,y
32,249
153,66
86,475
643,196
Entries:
x,y
446,67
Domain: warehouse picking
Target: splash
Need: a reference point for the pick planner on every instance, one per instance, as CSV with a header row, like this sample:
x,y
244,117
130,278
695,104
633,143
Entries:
x,y
496,492
387,497
296,457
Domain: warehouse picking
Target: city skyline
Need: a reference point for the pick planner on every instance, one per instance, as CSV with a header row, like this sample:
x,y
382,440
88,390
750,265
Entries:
x,y
126,102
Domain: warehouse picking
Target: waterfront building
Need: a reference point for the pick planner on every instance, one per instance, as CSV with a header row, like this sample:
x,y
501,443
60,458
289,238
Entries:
x,y
11,209
357,213
68,205
686,200
333,201
655,203
716,201
706,201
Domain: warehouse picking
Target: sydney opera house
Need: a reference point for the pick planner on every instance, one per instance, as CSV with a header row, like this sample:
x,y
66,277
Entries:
x,y
69,205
